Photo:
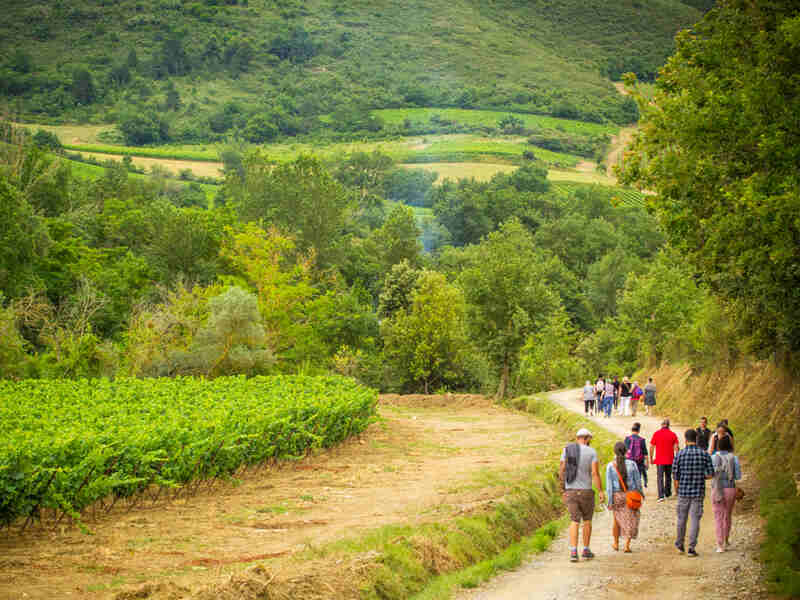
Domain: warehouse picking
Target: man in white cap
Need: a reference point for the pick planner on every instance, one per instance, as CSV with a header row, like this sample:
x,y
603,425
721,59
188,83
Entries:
x,y
579,469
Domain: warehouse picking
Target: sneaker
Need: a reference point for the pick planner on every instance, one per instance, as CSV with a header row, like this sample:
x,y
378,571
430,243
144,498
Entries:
x,y
720,550
692,552
680,547
661,499
573,556
587,554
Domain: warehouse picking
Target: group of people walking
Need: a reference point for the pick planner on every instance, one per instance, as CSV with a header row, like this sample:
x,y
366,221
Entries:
x,y
623,397
706,455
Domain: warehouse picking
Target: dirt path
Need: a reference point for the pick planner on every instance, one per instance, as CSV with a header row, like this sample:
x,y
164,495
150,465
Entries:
x,y
654,569
429,459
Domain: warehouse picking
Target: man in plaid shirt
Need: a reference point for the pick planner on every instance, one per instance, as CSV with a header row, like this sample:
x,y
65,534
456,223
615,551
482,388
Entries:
x,y
690,469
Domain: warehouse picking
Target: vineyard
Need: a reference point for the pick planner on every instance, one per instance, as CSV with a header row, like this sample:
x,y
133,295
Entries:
x,y
67,445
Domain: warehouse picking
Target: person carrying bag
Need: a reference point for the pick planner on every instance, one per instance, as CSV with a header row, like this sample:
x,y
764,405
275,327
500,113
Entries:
x,y
624,487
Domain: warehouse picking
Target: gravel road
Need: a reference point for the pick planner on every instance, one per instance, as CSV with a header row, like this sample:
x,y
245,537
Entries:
x,y
654,569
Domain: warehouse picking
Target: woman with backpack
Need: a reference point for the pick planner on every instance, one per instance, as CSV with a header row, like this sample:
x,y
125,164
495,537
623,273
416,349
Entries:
x,y
637,450
624,489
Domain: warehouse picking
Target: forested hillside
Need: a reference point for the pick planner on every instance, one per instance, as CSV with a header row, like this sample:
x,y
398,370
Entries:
x,y
192,71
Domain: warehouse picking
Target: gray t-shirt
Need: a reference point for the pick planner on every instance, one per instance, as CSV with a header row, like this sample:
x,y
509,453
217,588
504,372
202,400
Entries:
x,y
583,480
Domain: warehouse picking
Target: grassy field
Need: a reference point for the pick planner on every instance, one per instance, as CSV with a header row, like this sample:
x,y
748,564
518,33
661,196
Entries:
x,y
87,171
489,118
197,167
479,171
435,148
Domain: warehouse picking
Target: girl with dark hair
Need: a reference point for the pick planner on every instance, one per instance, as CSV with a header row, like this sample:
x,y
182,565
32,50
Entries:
x,y
626,520
726,471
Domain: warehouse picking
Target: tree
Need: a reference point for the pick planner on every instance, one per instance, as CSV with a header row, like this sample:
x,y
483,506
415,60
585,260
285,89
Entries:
x,y
300,197
719,143
398,286
295,46
83,87
173,98
139,128
427,341
397,239
23,238
507,295
233,340
547,357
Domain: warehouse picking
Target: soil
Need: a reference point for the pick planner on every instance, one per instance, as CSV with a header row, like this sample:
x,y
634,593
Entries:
x,y
618,145
428,459
654,569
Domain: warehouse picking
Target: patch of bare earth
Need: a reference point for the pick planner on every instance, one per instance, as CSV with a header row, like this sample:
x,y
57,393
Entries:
x,y
428,459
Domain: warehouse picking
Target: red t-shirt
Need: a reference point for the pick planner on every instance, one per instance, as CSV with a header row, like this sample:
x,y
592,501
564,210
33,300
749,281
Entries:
x,y
664,441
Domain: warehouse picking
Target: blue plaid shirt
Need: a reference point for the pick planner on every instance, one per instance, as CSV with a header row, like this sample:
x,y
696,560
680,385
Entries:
x,y
690,468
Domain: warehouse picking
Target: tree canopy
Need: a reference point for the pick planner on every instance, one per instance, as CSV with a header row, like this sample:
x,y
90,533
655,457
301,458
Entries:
x,y
720,144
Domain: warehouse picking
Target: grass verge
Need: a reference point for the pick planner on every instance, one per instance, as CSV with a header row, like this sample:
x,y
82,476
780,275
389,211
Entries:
x,y
478,547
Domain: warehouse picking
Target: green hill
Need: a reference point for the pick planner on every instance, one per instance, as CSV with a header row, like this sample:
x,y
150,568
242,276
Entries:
x,y
193,71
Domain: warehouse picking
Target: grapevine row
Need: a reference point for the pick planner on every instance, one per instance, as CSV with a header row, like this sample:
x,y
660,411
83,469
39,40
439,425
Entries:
x,y
66,444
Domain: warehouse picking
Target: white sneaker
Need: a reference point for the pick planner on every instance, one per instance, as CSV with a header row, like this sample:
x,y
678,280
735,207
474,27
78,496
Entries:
x,y
720,550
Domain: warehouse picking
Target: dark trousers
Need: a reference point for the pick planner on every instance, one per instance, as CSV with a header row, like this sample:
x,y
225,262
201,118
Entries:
x,y
643,472
664,474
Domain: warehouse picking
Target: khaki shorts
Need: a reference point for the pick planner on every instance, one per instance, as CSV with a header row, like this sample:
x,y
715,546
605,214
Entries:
x,y
580,504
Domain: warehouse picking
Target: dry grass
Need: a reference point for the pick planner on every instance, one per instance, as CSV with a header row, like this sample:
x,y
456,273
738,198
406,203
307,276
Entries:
x,y
580,176
758,399
199,168
72,134
463,170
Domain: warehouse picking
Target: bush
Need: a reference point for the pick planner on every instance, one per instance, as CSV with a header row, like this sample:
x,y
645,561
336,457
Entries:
x,y
142,128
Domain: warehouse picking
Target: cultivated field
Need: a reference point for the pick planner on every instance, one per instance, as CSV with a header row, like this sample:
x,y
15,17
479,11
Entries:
x,y
430,460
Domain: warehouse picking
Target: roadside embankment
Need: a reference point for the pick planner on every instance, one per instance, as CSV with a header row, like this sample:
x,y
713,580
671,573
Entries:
x,y
762,404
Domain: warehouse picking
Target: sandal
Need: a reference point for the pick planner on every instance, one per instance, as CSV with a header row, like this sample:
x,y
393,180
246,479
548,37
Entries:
x,y
615,547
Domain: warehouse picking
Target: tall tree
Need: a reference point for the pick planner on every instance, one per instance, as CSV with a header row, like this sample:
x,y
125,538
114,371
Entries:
x,y
720,143
300,197
507,296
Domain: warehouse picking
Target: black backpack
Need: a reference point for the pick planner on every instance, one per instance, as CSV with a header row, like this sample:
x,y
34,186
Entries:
x,y
571,454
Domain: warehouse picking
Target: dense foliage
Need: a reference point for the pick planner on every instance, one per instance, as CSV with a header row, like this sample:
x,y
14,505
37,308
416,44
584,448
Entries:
x,y
309,266
69,443
720,143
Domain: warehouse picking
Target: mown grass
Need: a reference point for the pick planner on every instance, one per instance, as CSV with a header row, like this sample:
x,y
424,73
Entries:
x,y
490,118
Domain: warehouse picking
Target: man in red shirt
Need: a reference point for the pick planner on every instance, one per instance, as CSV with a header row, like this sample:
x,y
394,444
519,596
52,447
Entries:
x,y
664,444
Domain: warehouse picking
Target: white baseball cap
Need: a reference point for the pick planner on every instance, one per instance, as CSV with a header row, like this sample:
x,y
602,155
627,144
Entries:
x,y
583,432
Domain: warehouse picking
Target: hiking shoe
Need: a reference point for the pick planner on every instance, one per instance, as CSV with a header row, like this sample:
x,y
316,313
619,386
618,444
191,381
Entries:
x,y
680,547
573,556
587,554
692,552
